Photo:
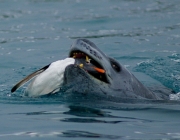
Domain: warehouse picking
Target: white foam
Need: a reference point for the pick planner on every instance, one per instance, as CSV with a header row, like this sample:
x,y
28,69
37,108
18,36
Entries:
x,y
50,80
174,96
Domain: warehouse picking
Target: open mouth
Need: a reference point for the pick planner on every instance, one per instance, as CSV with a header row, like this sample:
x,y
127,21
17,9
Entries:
x,y
90,65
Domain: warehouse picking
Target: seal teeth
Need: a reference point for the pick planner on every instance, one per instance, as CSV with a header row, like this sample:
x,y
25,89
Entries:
x,y
87,59
78,55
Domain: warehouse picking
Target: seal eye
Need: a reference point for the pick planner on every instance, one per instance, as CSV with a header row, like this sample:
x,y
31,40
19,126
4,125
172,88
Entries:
x,y
115,65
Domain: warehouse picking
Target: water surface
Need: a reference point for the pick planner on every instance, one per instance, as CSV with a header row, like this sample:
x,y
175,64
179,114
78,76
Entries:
x,y
142,35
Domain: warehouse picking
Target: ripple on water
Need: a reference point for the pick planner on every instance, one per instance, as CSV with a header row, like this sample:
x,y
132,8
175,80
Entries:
x,y
129,30
68,133
164,69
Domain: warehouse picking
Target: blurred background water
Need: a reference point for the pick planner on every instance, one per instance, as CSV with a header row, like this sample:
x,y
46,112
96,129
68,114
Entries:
x,y
142,35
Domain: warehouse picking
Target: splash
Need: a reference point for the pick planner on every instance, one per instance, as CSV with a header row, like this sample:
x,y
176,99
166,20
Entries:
x,y
163,69
175,96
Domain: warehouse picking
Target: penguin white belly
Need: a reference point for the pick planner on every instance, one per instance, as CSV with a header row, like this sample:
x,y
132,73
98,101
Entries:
x,y
50,80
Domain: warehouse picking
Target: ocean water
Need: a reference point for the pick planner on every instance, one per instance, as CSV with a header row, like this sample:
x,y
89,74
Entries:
x,y
142,35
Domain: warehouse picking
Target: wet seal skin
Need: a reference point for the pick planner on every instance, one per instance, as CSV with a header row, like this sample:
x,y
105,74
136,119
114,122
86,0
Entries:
x,y
113,79
90,71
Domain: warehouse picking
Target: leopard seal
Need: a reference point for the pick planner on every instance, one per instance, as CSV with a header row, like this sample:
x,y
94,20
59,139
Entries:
x,y
114,81
93,72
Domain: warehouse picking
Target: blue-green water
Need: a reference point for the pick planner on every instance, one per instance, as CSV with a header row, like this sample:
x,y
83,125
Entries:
x,y
143,35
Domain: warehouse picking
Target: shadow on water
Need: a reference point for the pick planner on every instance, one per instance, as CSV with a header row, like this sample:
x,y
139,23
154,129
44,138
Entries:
x,y
72,133
81,114
68,134
84,110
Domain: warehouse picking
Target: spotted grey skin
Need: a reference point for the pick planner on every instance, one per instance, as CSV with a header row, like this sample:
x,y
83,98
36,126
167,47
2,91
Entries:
x,y
120,82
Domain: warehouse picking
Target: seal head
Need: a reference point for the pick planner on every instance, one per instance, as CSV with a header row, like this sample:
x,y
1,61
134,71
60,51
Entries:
x,y
94,71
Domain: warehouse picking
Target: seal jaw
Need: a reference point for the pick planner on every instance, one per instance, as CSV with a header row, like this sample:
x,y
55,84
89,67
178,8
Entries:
x,y
89,64
78,80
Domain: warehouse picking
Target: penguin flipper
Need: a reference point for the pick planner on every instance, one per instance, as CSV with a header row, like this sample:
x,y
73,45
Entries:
x,y
29,77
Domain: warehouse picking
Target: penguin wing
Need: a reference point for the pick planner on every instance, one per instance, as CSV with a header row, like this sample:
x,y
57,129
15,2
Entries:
x,y
29,77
